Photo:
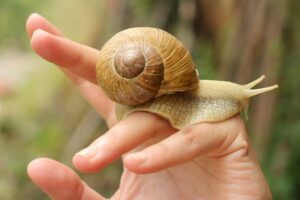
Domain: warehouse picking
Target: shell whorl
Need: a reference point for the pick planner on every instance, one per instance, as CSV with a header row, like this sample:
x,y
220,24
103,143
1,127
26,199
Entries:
x,y
129,61
139,64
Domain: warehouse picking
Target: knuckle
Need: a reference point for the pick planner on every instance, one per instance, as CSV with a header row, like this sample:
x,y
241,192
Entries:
x,y
243,143
110,140
191,135
187,130
114,135
162,148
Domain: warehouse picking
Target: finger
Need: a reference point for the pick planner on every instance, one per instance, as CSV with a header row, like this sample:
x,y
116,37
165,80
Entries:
x,y
59,181
36,21
92,92
96,97
78,59
209,139
126,135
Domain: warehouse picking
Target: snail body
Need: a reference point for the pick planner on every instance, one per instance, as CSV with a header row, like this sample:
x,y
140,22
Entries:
x,y
147,69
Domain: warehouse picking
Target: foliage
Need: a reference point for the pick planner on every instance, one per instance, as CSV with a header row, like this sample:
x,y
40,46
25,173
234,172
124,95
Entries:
x,y
13,14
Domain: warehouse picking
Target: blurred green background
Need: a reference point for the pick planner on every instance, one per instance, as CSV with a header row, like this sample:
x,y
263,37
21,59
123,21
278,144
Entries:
x,y
42,114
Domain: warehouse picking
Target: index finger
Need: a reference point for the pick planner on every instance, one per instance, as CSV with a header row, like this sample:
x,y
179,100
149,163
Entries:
x,y
47,41
76,60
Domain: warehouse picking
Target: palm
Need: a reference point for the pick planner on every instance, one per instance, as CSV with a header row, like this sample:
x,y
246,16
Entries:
x,y
205,161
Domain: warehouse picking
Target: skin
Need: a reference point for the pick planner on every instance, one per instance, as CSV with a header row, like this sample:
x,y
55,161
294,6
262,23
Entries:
x,y
202,161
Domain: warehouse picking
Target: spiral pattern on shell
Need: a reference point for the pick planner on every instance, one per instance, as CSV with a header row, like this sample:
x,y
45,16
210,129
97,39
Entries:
x,y
139,64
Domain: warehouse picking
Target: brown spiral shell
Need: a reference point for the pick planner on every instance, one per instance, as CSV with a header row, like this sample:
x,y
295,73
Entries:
x,y
142,63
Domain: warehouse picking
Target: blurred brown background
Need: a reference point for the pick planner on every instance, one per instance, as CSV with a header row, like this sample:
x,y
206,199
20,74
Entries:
x,y
42,114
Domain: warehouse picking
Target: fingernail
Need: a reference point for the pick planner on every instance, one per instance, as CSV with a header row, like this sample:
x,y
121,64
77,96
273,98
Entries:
x,y
35,15
88,152
39,33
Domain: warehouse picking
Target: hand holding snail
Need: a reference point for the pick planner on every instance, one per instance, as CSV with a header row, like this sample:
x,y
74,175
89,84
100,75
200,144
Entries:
x,y
147,69
207,161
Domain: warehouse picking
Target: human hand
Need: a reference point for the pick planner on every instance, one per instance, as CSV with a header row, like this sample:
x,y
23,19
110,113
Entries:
x,y
203,161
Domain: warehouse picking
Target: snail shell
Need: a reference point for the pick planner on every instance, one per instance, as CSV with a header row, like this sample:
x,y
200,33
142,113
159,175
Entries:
x,y
144,63
147,69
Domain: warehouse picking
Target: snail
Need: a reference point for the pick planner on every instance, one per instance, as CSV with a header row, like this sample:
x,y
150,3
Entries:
x,y
148,69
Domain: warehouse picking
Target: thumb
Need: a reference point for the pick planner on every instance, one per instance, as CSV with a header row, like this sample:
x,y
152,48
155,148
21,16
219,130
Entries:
x,y
58,181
